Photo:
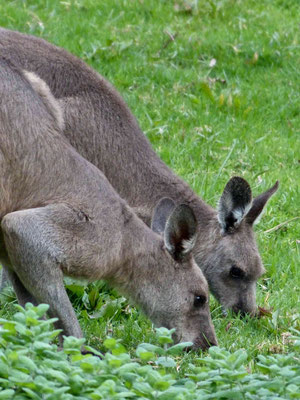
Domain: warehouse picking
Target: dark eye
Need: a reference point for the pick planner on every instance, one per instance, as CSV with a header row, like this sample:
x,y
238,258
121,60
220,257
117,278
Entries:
x,y
199,301
236,272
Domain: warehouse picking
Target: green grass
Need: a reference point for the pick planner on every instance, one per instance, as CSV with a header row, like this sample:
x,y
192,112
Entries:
x,y
240,117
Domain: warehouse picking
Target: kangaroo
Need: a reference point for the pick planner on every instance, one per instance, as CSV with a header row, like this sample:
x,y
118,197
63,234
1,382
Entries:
x,y
102,129
60,216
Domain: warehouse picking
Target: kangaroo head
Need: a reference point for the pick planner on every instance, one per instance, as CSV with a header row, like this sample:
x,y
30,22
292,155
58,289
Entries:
x,y
231,261
176,294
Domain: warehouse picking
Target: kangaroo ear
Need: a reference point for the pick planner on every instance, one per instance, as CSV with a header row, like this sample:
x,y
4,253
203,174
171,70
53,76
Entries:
x,y
234,203
259,203
181,232
161,214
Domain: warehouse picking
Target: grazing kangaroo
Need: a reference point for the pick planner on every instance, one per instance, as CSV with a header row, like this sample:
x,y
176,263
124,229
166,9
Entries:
x,y
60,215
102,129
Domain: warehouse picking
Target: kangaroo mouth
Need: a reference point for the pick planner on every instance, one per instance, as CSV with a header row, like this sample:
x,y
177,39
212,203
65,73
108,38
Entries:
x,y
240,312
201,342
204,343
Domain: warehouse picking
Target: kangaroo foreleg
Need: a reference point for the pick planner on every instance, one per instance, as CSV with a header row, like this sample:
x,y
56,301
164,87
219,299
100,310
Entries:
x,y
8,276
34,250
23,295
4,280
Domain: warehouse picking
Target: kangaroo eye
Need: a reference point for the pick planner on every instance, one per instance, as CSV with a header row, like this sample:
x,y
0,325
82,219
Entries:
x,y
236,272
199,301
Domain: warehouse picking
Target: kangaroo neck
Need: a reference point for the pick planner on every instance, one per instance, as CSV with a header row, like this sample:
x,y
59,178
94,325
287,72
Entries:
x,y
149,180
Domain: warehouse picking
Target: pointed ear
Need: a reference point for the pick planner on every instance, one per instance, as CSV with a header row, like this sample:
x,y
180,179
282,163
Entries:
x,y
181,232
161,214
234,203
259,203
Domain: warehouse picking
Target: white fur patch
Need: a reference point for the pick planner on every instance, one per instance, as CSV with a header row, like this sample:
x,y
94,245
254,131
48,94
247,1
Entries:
x,y
240,212
189,244
45,93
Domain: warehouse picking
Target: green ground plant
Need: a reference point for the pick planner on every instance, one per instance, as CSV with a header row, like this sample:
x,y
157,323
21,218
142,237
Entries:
x,y
215,87
32,368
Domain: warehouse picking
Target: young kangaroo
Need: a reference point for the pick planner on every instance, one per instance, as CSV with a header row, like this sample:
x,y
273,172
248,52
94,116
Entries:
x,y
102,129
59,215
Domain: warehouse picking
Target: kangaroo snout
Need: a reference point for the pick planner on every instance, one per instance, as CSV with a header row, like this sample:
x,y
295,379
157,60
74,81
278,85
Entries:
x,y
205,342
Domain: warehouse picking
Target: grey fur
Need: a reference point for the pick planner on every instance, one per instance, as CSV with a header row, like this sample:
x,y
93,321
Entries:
x,y
161,213
60,216
100,126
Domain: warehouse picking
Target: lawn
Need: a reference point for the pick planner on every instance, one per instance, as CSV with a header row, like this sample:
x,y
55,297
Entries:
x,y
215,87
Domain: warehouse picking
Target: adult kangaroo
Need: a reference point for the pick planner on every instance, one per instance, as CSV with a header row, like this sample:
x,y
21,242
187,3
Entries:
x,y
102,129
60,216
